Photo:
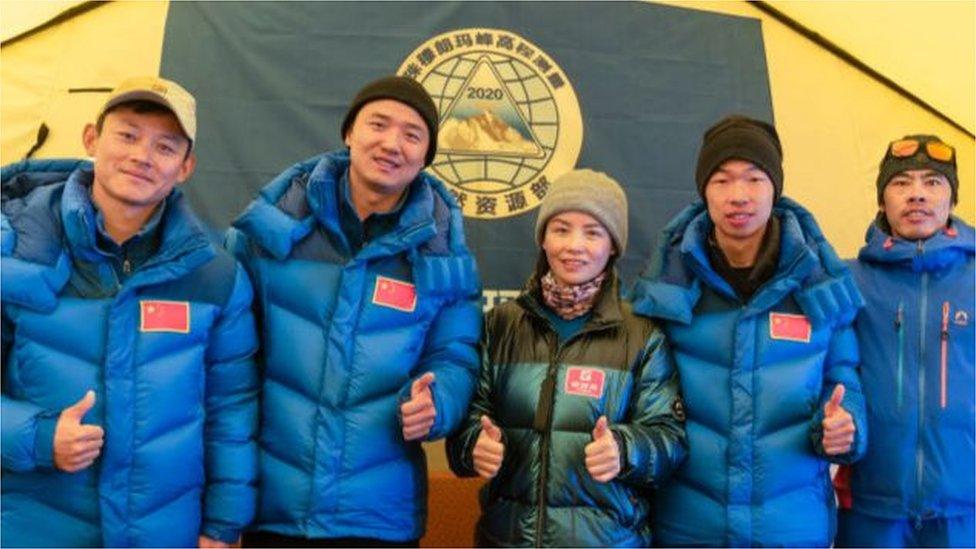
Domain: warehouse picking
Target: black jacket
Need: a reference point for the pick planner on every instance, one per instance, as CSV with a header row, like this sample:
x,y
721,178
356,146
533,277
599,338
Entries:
x,y
546,398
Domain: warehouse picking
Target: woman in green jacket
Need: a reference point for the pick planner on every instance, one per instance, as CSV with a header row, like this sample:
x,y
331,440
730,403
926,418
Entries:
x,y
577,409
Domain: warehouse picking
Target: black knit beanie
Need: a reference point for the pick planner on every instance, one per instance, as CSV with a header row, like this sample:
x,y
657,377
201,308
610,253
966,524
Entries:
x,y
892,165
743,138
405,90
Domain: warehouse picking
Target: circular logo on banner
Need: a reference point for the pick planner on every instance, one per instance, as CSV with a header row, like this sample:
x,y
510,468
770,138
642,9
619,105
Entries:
x,y
509,119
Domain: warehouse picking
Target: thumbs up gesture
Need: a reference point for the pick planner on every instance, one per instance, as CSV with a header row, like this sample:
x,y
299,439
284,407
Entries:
x,y
76,445
418,413
838,425
603,454
488,450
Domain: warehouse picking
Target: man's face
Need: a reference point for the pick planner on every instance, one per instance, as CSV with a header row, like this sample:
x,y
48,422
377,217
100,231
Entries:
x,y
917,203
387,146
139,158
739,196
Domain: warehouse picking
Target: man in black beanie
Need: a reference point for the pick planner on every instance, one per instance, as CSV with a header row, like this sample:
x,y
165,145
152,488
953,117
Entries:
x,y
758,309
739,177
371,315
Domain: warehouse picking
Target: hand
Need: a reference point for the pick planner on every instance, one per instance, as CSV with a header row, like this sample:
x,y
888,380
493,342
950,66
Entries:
x,y
603,454
838,425
488,450
418,413
204,541
75,445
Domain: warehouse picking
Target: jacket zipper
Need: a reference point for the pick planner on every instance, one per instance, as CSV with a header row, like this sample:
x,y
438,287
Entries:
x,y
900,328
919,454
548,386
944,356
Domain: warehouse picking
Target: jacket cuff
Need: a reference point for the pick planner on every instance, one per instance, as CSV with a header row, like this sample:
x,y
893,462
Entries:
x,y
625,462
220,532
44,441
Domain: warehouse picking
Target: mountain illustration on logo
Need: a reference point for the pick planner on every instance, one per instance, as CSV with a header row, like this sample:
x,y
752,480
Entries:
x,y
483,119
483,133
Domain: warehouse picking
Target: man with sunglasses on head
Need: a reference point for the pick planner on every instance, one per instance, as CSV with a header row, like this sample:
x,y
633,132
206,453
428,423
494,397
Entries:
x,y
915,485
758,310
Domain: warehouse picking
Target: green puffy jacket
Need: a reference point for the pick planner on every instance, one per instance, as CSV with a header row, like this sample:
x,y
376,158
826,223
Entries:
x,y
546,398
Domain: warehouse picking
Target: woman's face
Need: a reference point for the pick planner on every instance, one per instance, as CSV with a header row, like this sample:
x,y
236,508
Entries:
x,y
577,247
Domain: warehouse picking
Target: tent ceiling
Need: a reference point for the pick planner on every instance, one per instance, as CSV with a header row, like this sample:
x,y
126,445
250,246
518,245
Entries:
x,y
928,48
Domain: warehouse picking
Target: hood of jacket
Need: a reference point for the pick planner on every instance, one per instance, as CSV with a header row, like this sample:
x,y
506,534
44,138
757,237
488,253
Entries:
x,y
949,246
277,226
807,267
48,221
429,228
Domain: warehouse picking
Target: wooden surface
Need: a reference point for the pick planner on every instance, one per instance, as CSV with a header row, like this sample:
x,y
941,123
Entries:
x,y
452,510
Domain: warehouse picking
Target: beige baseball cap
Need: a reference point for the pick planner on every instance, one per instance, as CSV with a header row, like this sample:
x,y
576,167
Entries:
x,y
164,92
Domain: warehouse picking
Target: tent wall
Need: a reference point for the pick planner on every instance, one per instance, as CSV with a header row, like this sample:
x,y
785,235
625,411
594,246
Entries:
x,y
926,46
834,120
48,76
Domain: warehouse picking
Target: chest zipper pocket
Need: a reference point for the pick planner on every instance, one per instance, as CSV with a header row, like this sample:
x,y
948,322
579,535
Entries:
x,y
900,371
944,357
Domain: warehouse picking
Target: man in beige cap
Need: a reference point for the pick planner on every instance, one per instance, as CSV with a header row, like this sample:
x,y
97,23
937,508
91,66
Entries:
x,y
129,390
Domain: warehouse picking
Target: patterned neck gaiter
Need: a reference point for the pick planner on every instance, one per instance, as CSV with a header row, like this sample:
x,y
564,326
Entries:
x,y
570,302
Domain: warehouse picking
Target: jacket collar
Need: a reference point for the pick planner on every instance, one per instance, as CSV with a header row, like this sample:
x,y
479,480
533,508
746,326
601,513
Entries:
x,y
277,230
807,267
181,231
796,259
26,281
606,309
947,247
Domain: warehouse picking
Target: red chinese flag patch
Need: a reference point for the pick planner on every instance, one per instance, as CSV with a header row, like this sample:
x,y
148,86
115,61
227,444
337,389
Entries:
x,y
164,316
789,327
587,382
395,294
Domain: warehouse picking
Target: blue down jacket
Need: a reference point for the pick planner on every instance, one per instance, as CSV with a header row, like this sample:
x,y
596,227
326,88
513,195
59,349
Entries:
x,y
755,377
920,458
341,351
177,397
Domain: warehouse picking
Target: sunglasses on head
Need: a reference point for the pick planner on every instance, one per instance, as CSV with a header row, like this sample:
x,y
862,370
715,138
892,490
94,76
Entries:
x,y
936,150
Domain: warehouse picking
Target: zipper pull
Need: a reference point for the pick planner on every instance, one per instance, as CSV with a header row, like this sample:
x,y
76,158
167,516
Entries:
x,y
126,266
944,357
945,320
899,316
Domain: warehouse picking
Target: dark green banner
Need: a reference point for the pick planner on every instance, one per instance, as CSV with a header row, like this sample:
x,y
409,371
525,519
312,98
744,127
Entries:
x,y
526,91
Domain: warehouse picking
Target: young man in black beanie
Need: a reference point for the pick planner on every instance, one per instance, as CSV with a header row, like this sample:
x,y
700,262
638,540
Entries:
x,y
758,310
370,317
915,486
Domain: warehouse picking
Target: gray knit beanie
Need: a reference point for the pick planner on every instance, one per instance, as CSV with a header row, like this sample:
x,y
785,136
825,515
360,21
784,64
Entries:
x,y
591,192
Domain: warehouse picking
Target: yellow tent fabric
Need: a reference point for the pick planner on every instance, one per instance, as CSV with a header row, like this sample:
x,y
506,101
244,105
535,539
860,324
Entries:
x,y
44,75
834,122
928,47
833,118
